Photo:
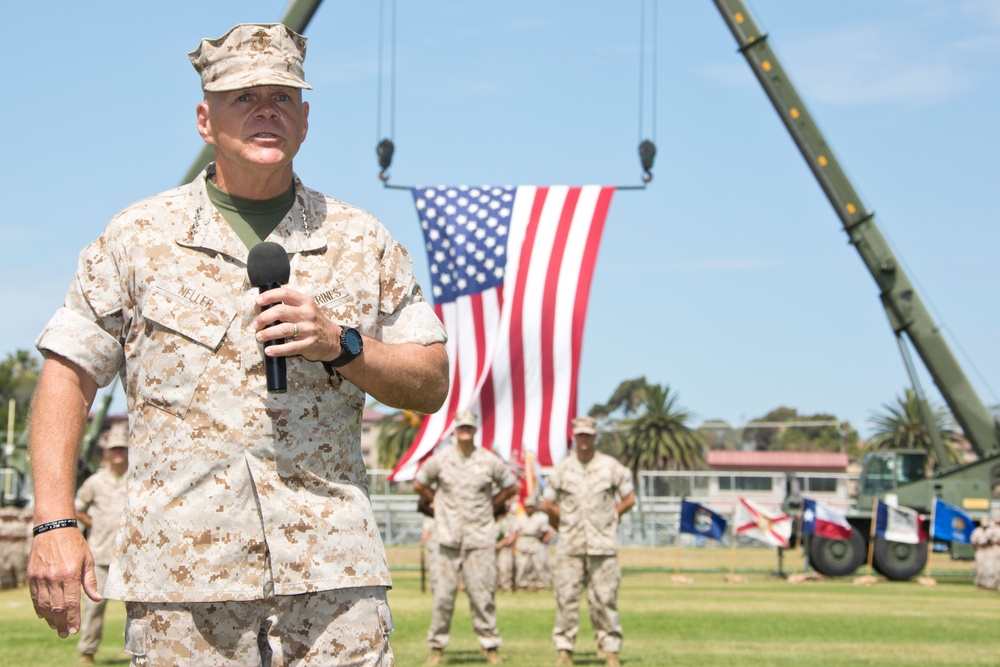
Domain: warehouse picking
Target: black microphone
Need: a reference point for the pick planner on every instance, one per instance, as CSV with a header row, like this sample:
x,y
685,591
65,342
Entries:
x,y
268,268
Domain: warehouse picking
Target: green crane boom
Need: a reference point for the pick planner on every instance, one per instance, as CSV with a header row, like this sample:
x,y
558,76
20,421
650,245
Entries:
x,y
903,306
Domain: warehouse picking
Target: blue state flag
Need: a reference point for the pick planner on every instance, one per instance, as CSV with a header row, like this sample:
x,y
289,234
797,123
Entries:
x,y
699,520
951,523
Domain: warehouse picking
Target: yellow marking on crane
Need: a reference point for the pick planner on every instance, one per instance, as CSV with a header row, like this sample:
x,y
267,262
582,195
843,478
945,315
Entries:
x,y
766,65
738,16
850,208
822,160
793,112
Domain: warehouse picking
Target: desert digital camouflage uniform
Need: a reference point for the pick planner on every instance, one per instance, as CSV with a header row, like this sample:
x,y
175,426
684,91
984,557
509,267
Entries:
x,y
163,298
102,496
505,554
466,534
990,578
532,553
587,552
429,545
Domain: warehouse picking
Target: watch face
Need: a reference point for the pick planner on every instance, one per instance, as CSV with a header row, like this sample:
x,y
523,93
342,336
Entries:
x,y
351,341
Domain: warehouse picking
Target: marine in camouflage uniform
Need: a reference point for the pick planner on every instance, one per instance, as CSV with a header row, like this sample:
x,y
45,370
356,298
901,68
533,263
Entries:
x,y
461,482
986,540
533,536
99,505
248,515
506,539
584,498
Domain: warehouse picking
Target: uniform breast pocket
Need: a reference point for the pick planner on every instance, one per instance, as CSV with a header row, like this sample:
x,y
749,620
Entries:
x,y
178,341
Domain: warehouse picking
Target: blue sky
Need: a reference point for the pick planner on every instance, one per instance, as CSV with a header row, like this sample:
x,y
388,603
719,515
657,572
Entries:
x,y
729,278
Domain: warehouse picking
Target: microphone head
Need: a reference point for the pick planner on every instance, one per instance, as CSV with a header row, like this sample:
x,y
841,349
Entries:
x,y
267,264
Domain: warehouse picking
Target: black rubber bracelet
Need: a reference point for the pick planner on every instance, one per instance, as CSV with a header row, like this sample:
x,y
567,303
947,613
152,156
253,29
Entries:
x,y
52,525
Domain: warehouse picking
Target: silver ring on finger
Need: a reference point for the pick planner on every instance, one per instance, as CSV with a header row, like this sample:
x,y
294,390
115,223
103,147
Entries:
x,y
295,330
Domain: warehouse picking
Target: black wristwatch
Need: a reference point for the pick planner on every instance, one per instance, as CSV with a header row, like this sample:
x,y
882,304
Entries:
x,y
351,346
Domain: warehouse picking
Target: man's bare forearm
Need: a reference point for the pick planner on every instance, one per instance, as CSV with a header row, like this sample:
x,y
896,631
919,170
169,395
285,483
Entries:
x,y
407,376
58,419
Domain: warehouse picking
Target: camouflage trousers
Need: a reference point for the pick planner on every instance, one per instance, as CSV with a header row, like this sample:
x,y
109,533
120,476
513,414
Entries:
x,y
92,618
477,569
600,575
505,569
348,627
533,569
986,571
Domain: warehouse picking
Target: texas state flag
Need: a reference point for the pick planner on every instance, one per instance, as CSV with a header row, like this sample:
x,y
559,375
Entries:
x,y
822,520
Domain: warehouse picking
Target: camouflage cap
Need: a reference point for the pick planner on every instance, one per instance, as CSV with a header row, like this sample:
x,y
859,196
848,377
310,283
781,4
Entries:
x,y
584,425
251,54
466,418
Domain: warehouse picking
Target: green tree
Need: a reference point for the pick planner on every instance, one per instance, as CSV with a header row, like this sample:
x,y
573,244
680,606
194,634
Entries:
x,y
397,432
659,437
901,426
18,379
720,434
799,435
627,398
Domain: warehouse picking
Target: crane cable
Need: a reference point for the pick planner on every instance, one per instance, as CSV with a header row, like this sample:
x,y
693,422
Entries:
x,y
647,147
385,147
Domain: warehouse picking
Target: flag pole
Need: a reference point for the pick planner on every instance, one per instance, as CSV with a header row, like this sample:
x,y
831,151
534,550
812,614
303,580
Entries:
x,y
732,548
930,546
677,547
805,552
871,539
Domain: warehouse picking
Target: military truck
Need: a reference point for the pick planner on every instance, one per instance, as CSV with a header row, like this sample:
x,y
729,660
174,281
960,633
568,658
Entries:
x,y
901,476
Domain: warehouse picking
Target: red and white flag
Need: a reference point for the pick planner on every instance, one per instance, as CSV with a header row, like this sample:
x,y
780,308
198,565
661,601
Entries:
x,y
767,525
511,270
822,520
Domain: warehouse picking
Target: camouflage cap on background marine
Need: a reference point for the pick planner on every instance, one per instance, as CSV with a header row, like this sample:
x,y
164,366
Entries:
x,y
251,54
585,425
466,418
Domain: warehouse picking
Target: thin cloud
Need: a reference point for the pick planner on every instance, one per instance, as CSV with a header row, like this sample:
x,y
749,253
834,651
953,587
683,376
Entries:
x,y
865,65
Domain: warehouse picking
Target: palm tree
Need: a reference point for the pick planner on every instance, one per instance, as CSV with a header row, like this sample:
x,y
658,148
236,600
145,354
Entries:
x,y
659,438
627,398
901,426
397,431
18,377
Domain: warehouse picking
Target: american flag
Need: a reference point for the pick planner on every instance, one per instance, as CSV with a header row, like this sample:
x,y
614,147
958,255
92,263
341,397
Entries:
x,y
511,269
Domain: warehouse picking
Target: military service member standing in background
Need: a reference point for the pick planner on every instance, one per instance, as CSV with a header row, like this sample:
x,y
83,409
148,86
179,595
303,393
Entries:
x,y
506,538
99,505
584,498
460,481
533,536
247,518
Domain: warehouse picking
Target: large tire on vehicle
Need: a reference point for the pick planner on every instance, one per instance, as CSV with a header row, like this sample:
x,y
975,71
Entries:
x,y
837,558
899,561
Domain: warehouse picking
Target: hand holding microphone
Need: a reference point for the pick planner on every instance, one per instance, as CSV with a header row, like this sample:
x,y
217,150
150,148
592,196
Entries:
x,y
268,268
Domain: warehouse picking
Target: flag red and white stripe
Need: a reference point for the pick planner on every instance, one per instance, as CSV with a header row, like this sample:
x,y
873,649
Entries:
x,y
511,270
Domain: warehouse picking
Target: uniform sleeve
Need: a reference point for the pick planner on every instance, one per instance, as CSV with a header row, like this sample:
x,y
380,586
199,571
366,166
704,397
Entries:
x,y
552,485
405,317
88,329
623,480
429,471
84,497
502,474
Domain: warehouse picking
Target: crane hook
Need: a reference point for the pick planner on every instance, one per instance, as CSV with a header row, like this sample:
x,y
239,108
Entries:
x,y
647,151
384,151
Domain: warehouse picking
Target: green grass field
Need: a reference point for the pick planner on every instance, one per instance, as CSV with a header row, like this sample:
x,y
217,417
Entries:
x,y
763,622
